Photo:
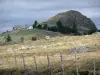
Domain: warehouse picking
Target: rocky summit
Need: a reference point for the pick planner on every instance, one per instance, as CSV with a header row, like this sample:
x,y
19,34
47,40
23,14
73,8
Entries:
x,y
70,18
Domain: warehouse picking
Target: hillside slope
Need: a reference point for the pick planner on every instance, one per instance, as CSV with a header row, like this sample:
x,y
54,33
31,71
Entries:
x,y
28,34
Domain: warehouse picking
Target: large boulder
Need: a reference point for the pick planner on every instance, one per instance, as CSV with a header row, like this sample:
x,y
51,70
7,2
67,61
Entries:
x,y
83,24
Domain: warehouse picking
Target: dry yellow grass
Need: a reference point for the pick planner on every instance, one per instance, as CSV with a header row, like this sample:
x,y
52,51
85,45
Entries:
x,y
54,47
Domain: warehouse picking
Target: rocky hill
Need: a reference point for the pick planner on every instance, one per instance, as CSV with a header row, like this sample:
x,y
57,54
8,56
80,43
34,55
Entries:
x,y
70,18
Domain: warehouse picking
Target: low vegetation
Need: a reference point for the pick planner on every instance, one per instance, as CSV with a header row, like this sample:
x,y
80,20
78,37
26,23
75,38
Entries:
x,y
53,46
19,36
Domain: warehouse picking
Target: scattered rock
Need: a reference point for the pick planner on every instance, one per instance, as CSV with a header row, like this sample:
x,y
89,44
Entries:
x,y
79,50
59,44
52,39
79,43
47,37
96,33
23,47
86,36
9,50
97,44
44,46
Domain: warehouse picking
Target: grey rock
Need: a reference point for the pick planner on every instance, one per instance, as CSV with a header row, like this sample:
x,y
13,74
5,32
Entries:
x,y
83,24
96,33
79,50
47,37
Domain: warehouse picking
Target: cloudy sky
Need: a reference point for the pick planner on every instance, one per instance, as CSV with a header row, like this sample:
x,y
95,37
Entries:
x,y
24,12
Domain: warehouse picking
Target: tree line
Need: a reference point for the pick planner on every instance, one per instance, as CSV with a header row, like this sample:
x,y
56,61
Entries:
x,y
59,27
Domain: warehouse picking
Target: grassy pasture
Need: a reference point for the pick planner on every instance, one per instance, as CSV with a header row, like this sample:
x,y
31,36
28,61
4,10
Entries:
x,y
52,47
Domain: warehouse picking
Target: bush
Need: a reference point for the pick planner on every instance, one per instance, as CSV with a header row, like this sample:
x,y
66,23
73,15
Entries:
x,y
34,38
22,39
84,73
54,28
39,26
92,31
98,30
45,27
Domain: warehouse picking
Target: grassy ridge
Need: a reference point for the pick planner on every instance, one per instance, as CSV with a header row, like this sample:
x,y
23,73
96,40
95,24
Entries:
x,y
28,34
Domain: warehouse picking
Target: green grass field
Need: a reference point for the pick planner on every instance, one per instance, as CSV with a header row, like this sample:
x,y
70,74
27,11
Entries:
x,y
28,34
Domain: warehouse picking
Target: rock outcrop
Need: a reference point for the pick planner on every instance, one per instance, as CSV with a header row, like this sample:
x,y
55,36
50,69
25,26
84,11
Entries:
x,y
83,24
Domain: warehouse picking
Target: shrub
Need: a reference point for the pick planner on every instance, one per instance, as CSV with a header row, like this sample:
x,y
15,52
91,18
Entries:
x,y
39,26
22,39
98,30
45,26
92,31
34,38
54,28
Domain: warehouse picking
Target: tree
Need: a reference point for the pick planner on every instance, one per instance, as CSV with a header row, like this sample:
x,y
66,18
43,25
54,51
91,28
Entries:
x,y
39,26
54,28
59,26
45,26
22,39
35,24
67,29
8,38
63,29
74,30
